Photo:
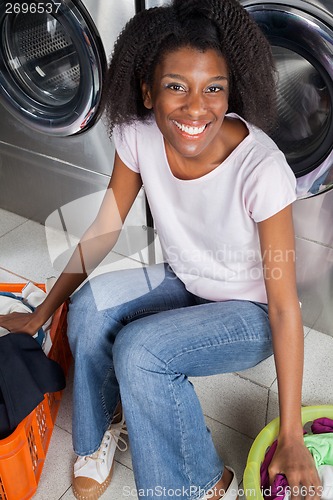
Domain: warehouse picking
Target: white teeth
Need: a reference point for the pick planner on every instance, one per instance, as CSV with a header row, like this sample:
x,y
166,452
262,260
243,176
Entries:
x,y
190,130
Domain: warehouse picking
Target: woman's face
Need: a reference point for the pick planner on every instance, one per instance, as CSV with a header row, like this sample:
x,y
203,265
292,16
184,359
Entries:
x,y
189,98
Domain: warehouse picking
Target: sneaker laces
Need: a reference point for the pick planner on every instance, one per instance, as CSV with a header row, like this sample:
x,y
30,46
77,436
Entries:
x,y
113,432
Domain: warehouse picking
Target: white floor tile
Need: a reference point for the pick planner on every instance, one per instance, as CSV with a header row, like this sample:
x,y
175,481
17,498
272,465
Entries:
x,y
64,417
59,246
8,277
24,252
273,406
56,475
232,446
233,401
9,221
318,369
263,374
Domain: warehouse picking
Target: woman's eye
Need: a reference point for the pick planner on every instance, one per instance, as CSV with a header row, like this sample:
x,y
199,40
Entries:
x,y
176,87
213,89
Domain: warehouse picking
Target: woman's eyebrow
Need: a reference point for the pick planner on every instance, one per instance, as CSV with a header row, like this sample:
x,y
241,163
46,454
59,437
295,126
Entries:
x,y
181,77
220,77
174,75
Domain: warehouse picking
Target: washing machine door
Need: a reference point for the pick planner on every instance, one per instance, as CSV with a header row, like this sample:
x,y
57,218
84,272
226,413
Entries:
x,y
301,36
52,65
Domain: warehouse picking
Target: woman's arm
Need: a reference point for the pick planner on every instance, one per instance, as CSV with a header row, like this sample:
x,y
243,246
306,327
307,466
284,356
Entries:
x,y
278,253
95,244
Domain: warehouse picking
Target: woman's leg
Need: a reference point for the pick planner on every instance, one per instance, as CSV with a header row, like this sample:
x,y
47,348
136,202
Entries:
x,y
98,311
172,450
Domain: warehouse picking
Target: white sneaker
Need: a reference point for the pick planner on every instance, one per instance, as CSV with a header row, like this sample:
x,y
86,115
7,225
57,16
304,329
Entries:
x,y
92,473
232,491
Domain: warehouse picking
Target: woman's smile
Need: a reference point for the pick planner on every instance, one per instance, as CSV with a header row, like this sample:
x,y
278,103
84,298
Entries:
x,y
190,130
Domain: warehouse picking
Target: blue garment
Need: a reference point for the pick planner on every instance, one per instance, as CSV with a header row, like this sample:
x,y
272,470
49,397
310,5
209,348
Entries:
x,y
141,332
314,189
40,335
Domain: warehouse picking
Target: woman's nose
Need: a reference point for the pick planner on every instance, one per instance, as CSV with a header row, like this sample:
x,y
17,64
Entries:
x,y
195,103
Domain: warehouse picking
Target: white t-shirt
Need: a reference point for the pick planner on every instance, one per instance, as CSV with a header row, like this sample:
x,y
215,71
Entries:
x,y
208,226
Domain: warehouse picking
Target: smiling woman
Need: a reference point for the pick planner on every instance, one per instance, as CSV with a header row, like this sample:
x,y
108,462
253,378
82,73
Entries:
x,y
190,103
190,89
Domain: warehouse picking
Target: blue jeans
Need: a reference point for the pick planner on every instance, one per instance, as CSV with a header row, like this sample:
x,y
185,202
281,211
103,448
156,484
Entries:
x,y
140,334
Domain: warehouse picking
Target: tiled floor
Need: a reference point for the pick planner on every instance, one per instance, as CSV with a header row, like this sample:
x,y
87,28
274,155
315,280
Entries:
x,y
236,405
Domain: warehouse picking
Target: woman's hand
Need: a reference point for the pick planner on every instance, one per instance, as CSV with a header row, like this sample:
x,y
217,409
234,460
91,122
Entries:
x,y
293,459
21,322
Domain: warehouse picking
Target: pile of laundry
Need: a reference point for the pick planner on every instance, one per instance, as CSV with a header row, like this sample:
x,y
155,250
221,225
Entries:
x,y
319,441
26,372
26,302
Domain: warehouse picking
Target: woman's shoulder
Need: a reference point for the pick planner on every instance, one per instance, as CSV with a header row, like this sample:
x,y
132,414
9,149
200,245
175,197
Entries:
x,y
235,130
137,141
135,135
257,137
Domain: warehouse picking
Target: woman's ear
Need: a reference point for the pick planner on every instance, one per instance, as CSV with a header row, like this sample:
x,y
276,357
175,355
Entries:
x,y
146,96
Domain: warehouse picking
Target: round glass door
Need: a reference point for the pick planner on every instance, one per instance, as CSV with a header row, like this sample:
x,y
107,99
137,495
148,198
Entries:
x,y
52,67
302,46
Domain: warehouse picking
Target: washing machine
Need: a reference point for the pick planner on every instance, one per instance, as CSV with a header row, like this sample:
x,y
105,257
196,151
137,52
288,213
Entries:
x,y
301,36
54,147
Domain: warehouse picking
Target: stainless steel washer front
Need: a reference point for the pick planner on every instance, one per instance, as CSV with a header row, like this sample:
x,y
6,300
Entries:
x,y
301,36
302,44
54,149
52,65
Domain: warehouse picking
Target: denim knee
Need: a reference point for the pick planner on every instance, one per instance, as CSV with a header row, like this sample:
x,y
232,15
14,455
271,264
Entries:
x,y
132,356
87,327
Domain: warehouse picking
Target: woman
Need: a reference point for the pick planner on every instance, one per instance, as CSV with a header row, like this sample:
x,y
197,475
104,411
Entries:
x,y
190,91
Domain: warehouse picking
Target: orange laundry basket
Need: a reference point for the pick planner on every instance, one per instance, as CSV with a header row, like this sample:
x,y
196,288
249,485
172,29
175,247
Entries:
x,y
22,454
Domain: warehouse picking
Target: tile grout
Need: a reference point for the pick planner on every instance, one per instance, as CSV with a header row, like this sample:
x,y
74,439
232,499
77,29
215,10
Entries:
x,y
16,227
14,274
229,426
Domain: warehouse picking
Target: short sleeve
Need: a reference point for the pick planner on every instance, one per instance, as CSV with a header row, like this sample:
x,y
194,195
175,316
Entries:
x,y
270,188
125,141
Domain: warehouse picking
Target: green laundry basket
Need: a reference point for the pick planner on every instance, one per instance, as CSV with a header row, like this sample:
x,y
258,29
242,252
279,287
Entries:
x,y
251,480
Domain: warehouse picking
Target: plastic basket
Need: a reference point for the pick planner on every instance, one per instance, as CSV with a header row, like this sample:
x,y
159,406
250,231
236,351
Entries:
x,y
22,454
251,479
